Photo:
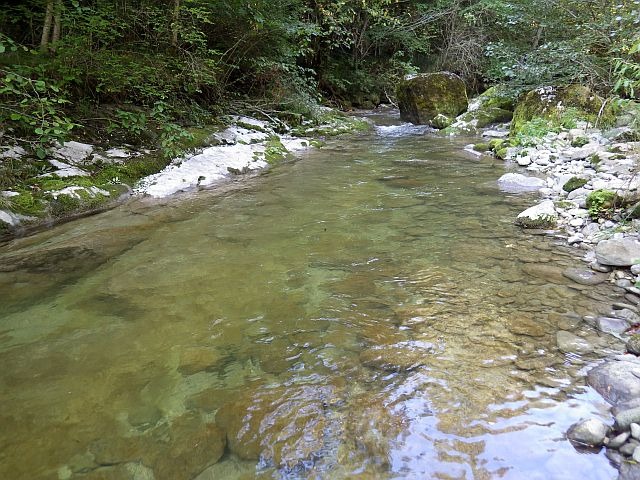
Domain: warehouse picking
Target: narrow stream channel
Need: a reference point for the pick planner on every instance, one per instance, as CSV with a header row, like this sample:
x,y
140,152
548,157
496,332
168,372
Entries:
x,y
369,311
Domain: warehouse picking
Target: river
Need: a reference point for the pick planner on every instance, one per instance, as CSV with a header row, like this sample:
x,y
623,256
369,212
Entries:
x,y
367,311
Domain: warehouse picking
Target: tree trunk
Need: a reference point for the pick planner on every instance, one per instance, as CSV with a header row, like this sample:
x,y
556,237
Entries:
x,y
46,29
56,23
175,23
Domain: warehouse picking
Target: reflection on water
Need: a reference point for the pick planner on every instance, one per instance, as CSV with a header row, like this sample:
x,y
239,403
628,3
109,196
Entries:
x,y
367,312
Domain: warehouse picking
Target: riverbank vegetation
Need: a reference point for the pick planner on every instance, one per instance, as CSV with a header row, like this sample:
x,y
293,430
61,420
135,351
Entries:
x,y
140,71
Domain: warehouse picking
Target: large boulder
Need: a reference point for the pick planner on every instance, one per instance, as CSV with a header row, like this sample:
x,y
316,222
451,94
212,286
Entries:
x,y
559,106
619,252
617,381
424,97
493,106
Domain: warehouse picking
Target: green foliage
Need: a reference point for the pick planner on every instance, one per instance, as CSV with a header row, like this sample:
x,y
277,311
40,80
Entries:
x,y
601,203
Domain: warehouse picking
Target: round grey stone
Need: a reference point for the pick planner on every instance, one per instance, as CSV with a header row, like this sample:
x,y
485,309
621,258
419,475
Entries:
x,y
584,277
618,440
591,432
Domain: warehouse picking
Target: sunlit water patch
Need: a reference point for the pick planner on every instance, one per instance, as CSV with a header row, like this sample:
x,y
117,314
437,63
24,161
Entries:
x,y
369,311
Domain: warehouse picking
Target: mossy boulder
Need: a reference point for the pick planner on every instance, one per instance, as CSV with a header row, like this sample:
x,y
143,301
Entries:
x,y
423,97
562,106
574,183
493,106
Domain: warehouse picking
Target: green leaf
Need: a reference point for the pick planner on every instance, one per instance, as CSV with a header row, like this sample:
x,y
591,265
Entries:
x,y
41,153
2,48
39,131
16,116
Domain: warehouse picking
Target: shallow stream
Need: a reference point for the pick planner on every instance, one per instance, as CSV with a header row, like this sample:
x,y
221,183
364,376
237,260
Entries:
x,y
368,311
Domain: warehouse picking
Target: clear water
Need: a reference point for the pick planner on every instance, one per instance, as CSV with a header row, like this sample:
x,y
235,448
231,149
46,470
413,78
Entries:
x,y
369,311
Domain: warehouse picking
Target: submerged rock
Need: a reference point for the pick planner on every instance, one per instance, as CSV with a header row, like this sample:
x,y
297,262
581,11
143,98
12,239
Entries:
x,y
542,215
424,97
590,433
584,277
194,446
401,356
618,381
198,359
282,426
570,343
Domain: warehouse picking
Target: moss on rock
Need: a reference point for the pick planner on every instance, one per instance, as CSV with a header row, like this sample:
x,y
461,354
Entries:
x,y
574,183
423,97
560,107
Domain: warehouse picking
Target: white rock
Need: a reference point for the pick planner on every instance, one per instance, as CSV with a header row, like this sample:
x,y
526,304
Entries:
x,y
516,182
73,152
542,215
9,194
13,152
65,170
524,161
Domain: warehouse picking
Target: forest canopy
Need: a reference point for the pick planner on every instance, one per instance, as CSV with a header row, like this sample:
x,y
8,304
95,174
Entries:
x,y
127,64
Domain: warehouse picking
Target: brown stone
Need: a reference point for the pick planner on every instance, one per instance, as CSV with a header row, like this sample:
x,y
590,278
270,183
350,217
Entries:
x,y
402,356
283,425
194,446
198,359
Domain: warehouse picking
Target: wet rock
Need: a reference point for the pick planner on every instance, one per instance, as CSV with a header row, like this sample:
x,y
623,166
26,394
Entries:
x,y
516,183
629,471
401,356
614,457
620,252
627,314
629,447
584,277
570,343
635,430
631,298
618,440
591,433
625,418
198,359
54,259
194,446
616,380
611,325
542,215
282,426
633,344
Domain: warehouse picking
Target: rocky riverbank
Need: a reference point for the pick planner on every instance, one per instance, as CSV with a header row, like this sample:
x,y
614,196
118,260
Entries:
x,y
79,178
589,183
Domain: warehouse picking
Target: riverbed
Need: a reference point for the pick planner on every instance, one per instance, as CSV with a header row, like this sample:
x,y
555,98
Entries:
x,y
369,310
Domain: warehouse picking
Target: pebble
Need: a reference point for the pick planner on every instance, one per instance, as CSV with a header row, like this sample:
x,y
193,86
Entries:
x,y
618,440
636,455
625,306
631,298
635,269
635,431
629,447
